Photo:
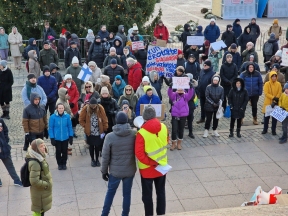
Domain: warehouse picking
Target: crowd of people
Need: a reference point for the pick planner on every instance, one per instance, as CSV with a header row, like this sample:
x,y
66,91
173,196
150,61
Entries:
x,y
106,105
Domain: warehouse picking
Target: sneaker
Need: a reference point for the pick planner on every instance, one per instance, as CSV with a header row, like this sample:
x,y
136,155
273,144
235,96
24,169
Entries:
x,y
93,163
60,167
205,135
215,133
0,183
98,163
264,132
18,183
64,167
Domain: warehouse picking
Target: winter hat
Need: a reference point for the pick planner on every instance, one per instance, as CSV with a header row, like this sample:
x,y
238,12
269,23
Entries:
x,y
181,69
229,26
121,118
147,88
229,55
253,19
149,113
135,27
285,86
105,78
207,43
279,53
75,60
113,61
216,78
118,77
180,52
191,56
276,66
207,62
112,49
237,20
212,20
190,76
46,42
251,56
51,38
63,31
275,21
92,63
72,42
145,79
160,21
30,76
90,31
46,69
97,37
233,46
125,102
272,36
93,100
67,76
3,63
104,90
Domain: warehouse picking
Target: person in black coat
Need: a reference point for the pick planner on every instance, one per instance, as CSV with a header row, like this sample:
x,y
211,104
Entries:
x,y
53,70
270,52
254,30
244,38
48,31
228,37
96,52
32,45
72,51
156,82
141,56
237,29
237,100
237,59
113,70
193,50
6,82
228,73
185,34
193,67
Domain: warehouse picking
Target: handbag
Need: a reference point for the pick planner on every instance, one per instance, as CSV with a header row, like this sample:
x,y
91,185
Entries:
x,y
227,113
21,48
219,113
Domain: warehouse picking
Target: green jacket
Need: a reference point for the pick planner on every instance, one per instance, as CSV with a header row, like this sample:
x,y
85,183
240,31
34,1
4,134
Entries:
x,y
75,72
47,57
41,189
215,60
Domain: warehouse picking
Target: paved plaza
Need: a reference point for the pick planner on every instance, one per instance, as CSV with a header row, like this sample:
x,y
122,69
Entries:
x,y
207,174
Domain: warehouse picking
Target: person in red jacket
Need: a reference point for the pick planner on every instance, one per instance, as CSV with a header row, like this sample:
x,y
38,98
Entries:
x,y
161,31
134,73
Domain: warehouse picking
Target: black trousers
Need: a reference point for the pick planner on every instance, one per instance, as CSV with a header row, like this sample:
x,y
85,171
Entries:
x,y
226,92
190,119
51,107
266,123
147,191
209,116
178,125
232,123
254,101
61,152
202,103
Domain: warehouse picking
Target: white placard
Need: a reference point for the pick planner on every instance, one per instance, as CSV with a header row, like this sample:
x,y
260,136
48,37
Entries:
x,y
279,114
195,40
241,9
268,110
137,45
218,45
284,57
157,107
163,169
181,82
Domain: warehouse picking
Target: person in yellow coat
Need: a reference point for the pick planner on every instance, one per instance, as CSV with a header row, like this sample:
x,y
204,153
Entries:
x,y
272,92
283,103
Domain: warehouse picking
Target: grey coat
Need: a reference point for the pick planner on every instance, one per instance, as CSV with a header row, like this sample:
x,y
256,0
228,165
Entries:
x,y
214,93
118,152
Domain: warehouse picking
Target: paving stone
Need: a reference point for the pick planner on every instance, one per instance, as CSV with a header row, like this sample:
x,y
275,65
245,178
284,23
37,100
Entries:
x,y
267,169
255,157
238,172
234,200
210,174
219,188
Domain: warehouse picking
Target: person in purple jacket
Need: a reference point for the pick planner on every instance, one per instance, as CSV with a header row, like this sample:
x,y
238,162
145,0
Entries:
x,y
179,113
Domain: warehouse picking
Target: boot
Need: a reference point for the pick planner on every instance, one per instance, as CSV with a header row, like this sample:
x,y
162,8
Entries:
x,y
283,140
255,122
205,135
26,145
231,132
179,147
191,135
238,133
7,112
4,111
173,145
200,121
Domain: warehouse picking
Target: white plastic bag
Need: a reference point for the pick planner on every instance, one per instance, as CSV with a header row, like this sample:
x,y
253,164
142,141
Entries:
x,y
220,110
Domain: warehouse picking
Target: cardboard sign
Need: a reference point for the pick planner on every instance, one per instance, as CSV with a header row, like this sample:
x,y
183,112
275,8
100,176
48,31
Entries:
x,y
268,110
285,57
159,108
162,59
181,82
218,45
161,43
279,114
195,40
137,45
85,73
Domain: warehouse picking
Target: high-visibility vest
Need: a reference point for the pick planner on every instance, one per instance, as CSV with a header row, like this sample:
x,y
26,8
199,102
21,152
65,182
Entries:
x,y
155,146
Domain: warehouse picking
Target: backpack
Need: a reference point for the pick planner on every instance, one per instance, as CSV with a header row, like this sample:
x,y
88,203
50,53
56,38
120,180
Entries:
x,y
143,72
25,174
268,49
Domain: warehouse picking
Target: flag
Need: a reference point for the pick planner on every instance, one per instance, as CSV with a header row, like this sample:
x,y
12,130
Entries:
x,y
85,73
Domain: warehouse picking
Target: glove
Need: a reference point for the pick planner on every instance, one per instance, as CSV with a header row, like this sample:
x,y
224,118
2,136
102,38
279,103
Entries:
x,y
215,105
70,140
276,99
191,85
71,105
27,137
170,85
46,135
53,142
273,104
105,176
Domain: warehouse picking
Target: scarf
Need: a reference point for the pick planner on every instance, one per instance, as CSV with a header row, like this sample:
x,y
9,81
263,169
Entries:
x,y
68,85
29,86
35,154
90,38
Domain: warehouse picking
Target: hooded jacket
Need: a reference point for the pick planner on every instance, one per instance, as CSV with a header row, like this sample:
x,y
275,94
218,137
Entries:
x,y
30,46
213,94
199,31
122,34
237,29
132,99
119,48
118,152
271,90
96,53
157,84
56,75
244,65
280,78
161,30
228,73
237,59
73,94
69,54
60,126
34,66
238,99
135,75
244,38
145,99
253,81
185,34
212,32
118,89
34,118
228,37
47,56
37,89
4,41
49,85
62,99
15,41
205,77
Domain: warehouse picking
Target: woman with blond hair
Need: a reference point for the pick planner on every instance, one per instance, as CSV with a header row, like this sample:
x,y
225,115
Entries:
x,y
130,96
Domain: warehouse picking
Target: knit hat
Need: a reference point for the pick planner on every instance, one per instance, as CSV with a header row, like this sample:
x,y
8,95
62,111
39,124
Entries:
x,y
30,76
279,53
51,38
63,31
147,88
216,78
251,56
46,42
275,21
3,63
253,19
190,76
229,26
212,20
229,55
67,76
93,100
118,77
75,60
237,20
207,62
46,69
135,27
191,56
125,102
272,36
113,61
105,78
97,37
72,42
285,86
121,118
149,113
207,43
160,21
92,63
180,52
145,79
90,31
112,49
181,69
233,46
104,90
276,66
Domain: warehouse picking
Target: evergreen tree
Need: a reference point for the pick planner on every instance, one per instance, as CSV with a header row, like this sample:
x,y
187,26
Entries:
x,y
76,16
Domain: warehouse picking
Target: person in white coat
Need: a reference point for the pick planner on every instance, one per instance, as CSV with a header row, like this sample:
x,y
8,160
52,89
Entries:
x,y
15,40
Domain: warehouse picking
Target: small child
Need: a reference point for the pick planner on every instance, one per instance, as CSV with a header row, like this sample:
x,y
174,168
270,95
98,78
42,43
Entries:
x,y
214,57
283,103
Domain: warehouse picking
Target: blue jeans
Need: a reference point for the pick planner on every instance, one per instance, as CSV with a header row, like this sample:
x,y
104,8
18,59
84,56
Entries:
x,y
113,184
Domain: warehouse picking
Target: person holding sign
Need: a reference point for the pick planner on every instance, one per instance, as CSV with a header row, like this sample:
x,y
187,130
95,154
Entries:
x,y
214,93
283,103
160,31
272,91
193,67
179,111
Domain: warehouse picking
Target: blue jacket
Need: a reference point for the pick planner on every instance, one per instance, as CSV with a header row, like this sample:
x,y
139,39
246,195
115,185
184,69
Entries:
x,y
30,47
212,33
199,31
60,127
49,85
103,35
118,89
237,29
205,77
237,59
244,66
39,90
253,82
4,41
145,99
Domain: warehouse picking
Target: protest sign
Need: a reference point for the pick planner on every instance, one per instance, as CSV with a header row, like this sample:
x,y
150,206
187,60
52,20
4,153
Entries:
x,y
162,59
284,57
85,73
218,45
137,45
279,114
180,82
268,110
159,109
195,40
